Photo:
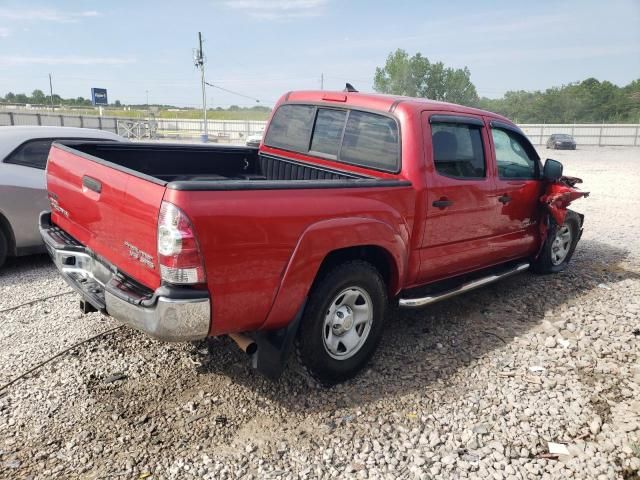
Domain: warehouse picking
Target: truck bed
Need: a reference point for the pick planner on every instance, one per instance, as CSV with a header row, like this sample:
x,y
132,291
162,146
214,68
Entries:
x,y
166,163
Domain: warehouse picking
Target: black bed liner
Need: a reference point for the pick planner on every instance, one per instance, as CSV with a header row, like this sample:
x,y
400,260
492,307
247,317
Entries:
x,y
217,167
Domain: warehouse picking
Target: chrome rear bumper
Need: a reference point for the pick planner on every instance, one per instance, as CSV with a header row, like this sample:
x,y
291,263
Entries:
x,y
169,313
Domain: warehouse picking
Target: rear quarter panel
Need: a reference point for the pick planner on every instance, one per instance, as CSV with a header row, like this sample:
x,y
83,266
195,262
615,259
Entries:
x,y
248,238
22,197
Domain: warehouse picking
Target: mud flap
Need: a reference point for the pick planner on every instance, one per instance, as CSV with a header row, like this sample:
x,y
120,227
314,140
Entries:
x,y
274,347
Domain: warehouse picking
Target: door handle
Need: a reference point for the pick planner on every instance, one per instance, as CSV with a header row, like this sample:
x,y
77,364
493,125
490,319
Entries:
x,y
92,183
504,199
444,202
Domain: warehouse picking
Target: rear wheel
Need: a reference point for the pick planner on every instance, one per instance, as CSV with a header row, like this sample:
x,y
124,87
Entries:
x,y
559,246
4,245
343,322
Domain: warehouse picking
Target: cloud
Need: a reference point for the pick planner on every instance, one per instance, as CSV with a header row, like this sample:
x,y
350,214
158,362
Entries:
x,y
17,60
4,32
278,9
45,15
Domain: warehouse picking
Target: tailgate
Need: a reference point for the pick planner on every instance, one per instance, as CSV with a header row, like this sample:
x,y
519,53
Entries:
x,y
108,209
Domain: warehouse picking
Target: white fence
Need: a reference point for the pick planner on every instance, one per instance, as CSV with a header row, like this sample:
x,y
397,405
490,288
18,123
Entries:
x,y
54,120
236,131
586,133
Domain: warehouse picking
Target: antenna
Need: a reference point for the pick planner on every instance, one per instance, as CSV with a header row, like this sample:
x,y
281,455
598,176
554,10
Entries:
x,y
349,88
198,60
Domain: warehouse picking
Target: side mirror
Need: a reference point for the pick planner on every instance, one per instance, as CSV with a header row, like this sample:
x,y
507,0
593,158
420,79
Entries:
x,y
552,170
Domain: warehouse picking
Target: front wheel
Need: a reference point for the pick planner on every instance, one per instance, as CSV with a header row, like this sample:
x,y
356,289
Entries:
x,y
343,321
559,246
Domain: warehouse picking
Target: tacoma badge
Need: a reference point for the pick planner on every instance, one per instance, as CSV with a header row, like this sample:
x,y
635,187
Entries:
x,y
142,257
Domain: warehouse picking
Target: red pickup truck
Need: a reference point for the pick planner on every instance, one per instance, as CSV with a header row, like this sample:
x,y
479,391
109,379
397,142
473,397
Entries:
x,y
351,203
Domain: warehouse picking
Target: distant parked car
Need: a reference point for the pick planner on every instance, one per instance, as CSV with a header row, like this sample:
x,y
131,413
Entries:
x,y
23,158
561,141
254,140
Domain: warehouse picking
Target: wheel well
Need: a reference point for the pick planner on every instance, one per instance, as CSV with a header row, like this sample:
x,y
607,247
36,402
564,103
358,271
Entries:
x,y
380,258
5,228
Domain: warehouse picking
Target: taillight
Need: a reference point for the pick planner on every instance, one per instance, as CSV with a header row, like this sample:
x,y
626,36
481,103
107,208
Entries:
x,y
178,250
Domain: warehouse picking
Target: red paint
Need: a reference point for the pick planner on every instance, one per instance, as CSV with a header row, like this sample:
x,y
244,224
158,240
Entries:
x,y
559,195
262,248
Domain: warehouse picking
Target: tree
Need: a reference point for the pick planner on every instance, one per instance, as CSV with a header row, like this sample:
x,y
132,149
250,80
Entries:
x,y
417,77
38,96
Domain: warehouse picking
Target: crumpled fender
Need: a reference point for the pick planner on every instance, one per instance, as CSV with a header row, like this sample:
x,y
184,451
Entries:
x,y
316,243
557,197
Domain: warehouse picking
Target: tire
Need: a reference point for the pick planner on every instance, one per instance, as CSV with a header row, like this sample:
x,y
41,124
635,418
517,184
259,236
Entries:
x,y
4,246
343,322
557,249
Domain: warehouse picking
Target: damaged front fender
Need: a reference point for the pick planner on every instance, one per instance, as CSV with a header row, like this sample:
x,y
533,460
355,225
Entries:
x,y
559,195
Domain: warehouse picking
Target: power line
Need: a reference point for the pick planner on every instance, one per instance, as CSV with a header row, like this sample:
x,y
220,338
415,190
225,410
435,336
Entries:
x,y
232,92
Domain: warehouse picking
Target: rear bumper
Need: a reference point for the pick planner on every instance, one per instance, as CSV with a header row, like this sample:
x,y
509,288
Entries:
x,y
169,313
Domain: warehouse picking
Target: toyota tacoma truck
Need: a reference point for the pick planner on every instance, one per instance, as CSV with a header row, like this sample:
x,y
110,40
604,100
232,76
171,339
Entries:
x,y
351,204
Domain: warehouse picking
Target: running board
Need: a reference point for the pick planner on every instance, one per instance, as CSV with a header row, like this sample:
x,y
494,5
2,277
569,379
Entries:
x,y
465,287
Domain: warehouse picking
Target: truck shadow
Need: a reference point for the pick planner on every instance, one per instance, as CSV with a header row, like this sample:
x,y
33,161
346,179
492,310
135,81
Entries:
x,y
427,346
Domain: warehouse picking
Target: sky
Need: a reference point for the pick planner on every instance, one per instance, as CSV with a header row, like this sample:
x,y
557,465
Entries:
x,y
264,48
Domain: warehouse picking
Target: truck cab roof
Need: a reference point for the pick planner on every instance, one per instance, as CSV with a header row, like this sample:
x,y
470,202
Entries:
x,y
382,102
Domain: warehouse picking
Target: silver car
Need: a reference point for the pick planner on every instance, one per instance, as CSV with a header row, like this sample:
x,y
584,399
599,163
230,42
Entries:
x,y
23,159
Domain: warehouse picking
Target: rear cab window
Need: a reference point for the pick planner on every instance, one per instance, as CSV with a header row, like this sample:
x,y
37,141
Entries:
x,y
345,135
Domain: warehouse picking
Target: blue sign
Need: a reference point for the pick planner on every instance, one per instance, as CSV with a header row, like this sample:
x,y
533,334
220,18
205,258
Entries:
x,y
99,96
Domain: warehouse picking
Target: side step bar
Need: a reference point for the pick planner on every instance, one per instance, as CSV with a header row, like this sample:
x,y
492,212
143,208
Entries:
x,y
465,287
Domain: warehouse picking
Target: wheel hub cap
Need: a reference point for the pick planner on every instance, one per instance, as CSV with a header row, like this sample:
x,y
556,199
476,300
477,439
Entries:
x,y
343,320
347,323
561,245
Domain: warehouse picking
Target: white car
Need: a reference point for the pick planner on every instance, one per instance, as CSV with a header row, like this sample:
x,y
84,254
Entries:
x,y
23,195
254,140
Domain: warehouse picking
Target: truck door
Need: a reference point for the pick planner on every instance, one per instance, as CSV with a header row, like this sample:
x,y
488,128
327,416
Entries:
x,y
518,188
459,197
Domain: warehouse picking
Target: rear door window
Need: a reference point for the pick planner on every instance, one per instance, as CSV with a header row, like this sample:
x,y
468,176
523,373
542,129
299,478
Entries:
x,y
458,150
33,153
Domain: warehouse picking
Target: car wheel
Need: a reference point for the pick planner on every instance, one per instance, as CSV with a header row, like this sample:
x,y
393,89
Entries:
x,y
4,245
342,322
559,246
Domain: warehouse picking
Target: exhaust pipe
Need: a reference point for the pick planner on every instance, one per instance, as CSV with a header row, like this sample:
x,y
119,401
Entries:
x,y
246,344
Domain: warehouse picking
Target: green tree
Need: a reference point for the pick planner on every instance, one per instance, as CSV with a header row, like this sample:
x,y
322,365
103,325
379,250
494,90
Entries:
x,y
38,96
416,76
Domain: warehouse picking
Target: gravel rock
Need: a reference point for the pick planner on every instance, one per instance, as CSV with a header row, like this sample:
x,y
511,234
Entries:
x,y
441,398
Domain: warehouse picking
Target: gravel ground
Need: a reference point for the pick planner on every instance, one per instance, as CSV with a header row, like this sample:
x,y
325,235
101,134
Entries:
x,y
472,387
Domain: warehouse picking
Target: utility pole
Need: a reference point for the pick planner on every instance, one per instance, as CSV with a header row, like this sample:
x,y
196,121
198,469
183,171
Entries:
x,y
322,81
147,92
50,92
199,62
